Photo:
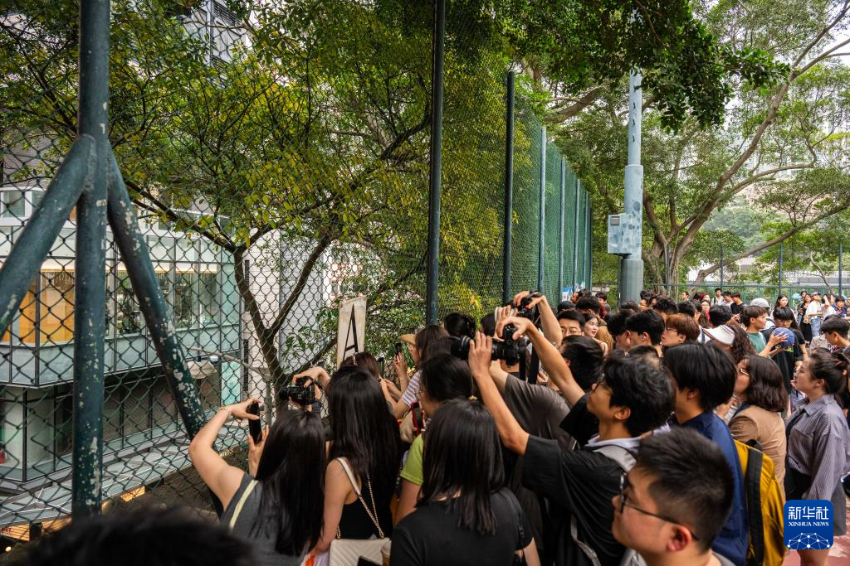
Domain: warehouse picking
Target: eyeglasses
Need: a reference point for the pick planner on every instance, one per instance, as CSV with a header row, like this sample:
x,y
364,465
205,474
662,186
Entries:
x,y
624,483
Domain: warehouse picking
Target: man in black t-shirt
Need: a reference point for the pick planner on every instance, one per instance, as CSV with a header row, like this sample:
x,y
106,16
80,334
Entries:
x,y
632,398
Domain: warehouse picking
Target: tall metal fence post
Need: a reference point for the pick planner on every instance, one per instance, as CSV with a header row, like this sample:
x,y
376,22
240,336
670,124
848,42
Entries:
x,y
90,298
781,266
542,209
589,245
841,269
509,190
587,232
721,266
561,231
575,236
436,164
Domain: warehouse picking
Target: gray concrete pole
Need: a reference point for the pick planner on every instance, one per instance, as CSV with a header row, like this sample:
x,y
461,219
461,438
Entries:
x,y
632,264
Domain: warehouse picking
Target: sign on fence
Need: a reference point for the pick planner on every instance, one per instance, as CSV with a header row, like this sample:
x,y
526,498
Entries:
x,y
351,334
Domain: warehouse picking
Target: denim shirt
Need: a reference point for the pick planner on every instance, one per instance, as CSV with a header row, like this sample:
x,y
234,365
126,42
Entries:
x,y
733,540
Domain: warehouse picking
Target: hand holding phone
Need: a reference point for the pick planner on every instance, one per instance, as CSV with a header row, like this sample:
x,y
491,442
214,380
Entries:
x,y
255,427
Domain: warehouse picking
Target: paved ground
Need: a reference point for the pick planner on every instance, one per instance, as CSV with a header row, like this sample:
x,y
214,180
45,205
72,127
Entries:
x,y
838,556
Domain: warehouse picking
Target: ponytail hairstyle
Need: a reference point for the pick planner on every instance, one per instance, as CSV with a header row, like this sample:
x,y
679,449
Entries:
x,y
831,368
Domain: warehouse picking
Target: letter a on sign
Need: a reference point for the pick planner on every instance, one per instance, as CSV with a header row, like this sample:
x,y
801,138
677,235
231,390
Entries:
x,y
351,334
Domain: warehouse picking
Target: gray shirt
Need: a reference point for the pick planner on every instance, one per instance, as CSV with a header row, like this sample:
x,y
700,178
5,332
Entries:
x,y
263,541
819,445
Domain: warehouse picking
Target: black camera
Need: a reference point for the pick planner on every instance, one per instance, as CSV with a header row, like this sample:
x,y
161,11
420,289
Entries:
x,y
302,393
509,349
525,310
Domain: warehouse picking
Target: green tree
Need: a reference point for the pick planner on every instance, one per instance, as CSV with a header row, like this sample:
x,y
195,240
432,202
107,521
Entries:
x,y
779,149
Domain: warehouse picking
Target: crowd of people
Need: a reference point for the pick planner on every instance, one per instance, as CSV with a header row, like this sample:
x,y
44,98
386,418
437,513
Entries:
x,y
568,435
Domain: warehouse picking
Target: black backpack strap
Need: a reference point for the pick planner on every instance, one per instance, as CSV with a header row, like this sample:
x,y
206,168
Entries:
x,y
752,483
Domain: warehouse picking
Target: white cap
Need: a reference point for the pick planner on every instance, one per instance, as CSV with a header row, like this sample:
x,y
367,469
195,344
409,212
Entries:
x,y
760,303
722,334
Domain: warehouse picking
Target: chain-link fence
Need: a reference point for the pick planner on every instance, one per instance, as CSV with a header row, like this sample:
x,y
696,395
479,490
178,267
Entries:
x,y
788,268
278,162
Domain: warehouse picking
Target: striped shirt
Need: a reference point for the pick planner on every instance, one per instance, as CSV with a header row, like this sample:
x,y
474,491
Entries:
x,y
819,445
412,391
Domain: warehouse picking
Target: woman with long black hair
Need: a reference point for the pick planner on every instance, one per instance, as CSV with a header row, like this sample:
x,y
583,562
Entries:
x,y
444,377
465,515
279,510
819,442
366,448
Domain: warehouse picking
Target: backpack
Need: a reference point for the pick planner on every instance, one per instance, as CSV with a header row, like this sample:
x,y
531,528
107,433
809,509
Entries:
x,y
765,504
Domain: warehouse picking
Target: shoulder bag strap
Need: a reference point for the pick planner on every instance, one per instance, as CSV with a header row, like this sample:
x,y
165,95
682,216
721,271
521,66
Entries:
x,y
241,503
344,463
373,513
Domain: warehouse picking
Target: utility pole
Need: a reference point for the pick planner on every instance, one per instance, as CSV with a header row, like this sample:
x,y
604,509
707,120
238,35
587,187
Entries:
x,y
625,231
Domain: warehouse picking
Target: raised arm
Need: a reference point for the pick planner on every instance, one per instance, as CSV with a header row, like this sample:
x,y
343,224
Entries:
x,y
550,358
514,438
548,320
222,478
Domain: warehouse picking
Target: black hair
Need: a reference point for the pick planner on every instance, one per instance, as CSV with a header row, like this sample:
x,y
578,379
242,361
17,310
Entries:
x,y
647,353
588,302
617,323
488,324
779,298
430,333
727,293
602,295
718,289
459,324
565,305
691,481
831,368
446,377
366,361
835,324
363,430
629,306
647,321
572,315
751,312
767,386
687,308
585,357
707,370
643,388
461,432
719,315
666,305
646,295
150,536
783,313
291,472
735,295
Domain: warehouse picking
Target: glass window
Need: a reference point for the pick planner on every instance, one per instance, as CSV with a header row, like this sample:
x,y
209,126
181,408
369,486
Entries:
x,y
13,204
209,298
57,308
128,315
184,300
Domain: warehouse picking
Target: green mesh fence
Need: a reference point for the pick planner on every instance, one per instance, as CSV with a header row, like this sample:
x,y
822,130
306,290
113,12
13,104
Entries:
x,y
526,198
274,178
